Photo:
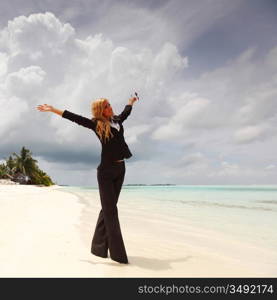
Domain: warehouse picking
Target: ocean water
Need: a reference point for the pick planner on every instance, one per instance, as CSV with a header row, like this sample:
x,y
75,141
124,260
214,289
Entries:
x,y
244,212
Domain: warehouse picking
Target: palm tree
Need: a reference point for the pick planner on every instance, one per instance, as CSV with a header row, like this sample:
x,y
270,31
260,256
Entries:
x,y
24,169
24,163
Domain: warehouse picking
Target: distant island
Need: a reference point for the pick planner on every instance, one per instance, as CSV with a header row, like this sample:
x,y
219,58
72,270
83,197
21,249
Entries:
x,y
23,169
149,184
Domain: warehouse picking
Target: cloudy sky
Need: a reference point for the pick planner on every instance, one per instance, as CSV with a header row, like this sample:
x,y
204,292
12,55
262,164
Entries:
x,y
206,72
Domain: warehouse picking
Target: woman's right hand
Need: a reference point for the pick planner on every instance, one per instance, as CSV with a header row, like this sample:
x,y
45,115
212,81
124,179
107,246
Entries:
x,y
45,107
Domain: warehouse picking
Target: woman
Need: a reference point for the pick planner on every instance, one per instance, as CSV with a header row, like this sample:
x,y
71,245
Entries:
x,y
110,172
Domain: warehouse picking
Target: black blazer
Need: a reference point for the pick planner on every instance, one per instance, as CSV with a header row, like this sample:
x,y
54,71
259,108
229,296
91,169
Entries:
x,y
114,149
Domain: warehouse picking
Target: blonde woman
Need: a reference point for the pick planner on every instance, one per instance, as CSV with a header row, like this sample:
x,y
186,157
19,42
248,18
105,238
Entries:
x,y
110,172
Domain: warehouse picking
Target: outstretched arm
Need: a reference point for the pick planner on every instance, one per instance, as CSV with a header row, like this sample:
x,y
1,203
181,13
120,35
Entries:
x,y
80,120
127,110
46,107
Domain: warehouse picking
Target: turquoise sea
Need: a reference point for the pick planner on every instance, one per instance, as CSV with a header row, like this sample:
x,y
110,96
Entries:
x,y
245,212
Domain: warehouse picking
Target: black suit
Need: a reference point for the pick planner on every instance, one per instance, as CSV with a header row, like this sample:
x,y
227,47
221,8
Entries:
x,y
110,177
116,148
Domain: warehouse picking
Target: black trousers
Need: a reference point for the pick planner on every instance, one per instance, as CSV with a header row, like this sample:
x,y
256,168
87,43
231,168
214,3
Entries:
x,y
107,233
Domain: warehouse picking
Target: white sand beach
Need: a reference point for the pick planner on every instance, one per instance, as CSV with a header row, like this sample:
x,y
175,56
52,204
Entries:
x,y
46,232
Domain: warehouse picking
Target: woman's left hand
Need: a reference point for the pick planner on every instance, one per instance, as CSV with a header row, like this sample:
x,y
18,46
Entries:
x,y
132,100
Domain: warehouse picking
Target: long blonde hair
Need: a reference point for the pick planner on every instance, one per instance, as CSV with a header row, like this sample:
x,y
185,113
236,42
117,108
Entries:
x,y
103,127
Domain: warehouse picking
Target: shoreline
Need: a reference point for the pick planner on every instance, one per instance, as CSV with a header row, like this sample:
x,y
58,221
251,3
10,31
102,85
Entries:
x,y
47,233
217,246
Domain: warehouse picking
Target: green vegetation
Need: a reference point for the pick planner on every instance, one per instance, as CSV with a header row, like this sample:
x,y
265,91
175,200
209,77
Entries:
x,y
24,169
